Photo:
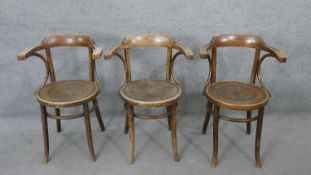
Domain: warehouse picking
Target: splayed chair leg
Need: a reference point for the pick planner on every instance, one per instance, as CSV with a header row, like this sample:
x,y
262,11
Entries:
x,y
173,133
209,106
45,134
258,137
132,133
98,115
215,136
87,121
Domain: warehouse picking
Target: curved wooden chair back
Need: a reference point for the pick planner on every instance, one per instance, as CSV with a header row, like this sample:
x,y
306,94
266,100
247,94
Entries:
x,y
149,40
58,40
64,40
246,41
152,40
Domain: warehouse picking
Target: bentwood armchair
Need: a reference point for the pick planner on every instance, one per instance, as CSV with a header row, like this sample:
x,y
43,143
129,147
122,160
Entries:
x,y
148,93
66,93
236,95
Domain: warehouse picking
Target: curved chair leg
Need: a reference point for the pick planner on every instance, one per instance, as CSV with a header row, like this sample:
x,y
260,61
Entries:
x,y
215,136
168,110
173,132
45,134
248,124
209,107
99,118
132,133
88,131
258,136
58,122
126,124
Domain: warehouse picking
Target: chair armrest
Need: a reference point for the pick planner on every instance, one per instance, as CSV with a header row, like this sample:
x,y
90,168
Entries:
x,y
97,52
186,51
204,51
28,52
275,53
109,53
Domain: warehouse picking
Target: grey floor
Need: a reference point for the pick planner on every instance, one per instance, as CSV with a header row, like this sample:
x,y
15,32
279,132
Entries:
x,y
285,147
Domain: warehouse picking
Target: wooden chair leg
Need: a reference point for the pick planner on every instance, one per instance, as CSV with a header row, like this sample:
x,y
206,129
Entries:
x,y
45,134
248,124
132,133
209,107
173,132
126,124
258,136
88,131
215,136
168,110
58,122
99,118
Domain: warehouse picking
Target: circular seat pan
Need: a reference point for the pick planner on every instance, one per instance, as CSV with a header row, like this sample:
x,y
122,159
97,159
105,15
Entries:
x,y
237,95
67,93
150,93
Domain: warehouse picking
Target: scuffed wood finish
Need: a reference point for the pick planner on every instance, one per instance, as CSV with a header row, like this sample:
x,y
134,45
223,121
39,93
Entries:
x,y
215,135
45,134
98,115
131,125
89,138
237,95
66,93
209,110
150,93
173,132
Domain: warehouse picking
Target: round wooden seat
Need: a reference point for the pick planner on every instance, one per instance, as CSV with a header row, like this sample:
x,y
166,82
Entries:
x,y
67,93
237,95
151,93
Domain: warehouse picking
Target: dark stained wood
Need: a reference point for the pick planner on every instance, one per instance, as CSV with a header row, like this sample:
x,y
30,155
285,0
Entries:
x,y
248,124
131,124
169,117
98,115
173,132
236,95
88,129
66,93
209,109
258,137
150,93
215,135
45,134
58,121
126,125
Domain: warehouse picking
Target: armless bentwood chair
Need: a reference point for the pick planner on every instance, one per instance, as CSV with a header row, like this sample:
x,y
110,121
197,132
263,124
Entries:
x,y
236,95
67,93
149,93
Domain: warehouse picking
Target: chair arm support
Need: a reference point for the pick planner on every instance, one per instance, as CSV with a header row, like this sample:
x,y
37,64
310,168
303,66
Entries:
x,y
275,53
185,51
204,51
114,51
28,52
97,52
205,55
